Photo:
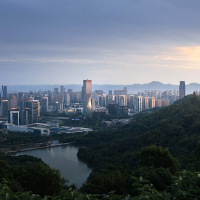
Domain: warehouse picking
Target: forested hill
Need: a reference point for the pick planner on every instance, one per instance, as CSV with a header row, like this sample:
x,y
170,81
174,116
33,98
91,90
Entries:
x,y
176,127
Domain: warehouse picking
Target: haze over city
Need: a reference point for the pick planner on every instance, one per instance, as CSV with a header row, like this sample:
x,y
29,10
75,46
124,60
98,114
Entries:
x,y
110,42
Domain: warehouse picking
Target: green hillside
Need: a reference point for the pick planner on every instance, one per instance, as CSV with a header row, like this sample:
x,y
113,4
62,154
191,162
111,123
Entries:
x,y
176,127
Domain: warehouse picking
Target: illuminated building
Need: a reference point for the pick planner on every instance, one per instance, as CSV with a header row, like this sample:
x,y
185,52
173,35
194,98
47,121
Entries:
x,y
152,102
146,103
158,103
86,94
182,89
122,100
138,103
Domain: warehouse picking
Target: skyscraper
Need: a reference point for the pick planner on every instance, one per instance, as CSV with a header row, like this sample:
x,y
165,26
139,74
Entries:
x,y
182,89
125,91
26,117
56,92
62,89
13,116
4,108
35,109
4,92
44,104
13,101
138,103
86,94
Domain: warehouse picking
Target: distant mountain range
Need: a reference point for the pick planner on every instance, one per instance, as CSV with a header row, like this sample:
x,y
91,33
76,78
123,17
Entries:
x,y
155,85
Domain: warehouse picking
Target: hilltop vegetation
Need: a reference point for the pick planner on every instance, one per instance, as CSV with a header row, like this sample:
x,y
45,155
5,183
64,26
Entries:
x,y
176,127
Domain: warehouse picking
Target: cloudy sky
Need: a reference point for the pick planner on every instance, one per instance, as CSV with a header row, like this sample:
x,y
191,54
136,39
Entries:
x,y
108,41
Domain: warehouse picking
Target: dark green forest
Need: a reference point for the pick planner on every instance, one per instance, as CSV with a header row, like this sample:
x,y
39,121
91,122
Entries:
x,y
155,157
176,127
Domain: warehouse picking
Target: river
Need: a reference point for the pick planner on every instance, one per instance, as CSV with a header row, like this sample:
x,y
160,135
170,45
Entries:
x,y
65,159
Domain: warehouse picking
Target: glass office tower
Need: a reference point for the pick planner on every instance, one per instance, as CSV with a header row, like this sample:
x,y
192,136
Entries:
x,y
86,95
182,89
4,92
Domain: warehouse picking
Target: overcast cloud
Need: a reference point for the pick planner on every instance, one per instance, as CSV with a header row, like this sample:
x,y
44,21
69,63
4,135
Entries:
x,y
108,41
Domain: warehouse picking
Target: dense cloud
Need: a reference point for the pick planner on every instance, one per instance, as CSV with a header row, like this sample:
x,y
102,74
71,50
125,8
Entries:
x,y
144,40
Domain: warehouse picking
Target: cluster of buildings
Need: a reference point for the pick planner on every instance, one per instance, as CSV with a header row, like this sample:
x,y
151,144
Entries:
x,y
120,102
25,108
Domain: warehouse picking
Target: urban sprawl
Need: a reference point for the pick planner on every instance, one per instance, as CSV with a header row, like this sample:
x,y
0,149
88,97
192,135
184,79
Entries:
x,y
27,112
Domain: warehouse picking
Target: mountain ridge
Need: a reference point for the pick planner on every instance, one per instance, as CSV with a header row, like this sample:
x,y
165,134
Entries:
x,y
134,88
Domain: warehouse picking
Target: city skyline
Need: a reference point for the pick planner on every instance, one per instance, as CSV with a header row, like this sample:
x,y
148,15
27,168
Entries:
x,y
112,42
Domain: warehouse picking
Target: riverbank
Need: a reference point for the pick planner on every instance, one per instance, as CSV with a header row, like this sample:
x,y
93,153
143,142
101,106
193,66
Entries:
x,y
44,147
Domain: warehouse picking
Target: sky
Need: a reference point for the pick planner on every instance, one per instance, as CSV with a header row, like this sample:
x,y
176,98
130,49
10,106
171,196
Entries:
x,y
107,41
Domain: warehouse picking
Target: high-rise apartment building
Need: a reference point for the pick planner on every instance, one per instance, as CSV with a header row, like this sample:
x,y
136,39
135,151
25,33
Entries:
x,y
138,103
44,104
86,95
125,91
62,89
130,102
109,92
12,101
182,89
99,92
67,99
145,103
26,117
4,92
34,107
152,102
56,92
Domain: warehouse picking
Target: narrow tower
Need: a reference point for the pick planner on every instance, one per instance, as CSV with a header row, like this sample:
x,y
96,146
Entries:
x,y
86,94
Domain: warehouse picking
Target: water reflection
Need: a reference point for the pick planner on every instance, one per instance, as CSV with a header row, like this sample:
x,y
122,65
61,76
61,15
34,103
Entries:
x,y
65,159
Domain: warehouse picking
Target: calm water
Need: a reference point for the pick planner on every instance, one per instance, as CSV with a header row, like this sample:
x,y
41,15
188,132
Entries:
x,y
65,159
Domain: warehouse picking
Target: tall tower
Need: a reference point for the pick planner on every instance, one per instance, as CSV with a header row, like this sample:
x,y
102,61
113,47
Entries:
x,y
125,91
4,108
44,104
86,94
62,89
138,103
34,107
4,92
182,89
12,101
